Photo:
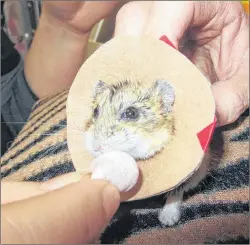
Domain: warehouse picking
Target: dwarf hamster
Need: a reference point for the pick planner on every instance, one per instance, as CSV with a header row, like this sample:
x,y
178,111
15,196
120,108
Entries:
x,y
131,118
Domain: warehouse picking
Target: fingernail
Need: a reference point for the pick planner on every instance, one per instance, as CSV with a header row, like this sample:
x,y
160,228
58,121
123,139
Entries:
x,y
111,200
60,181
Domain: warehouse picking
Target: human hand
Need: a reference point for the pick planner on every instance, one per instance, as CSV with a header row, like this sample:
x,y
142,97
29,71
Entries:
x,y
62,35
219,32
78,16
68,209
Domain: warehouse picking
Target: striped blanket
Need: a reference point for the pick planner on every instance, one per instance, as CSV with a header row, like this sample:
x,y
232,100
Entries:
x,y
217,211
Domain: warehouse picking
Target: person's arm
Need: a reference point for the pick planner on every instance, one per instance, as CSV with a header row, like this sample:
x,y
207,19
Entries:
x,y
54,58
60,42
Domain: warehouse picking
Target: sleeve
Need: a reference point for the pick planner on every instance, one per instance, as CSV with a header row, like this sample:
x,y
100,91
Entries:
x,y
17,99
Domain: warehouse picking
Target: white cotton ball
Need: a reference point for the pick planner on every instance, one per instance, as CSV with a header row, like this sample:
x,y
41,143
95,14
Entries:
x,y
118,168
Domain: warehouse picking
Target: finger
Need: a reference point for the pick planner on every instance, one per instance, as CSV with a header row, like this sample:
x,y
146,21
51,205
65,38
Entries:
x,y
232,96
77,213
155,19
170,18
132,18
97,10
15,191
231,100
202,60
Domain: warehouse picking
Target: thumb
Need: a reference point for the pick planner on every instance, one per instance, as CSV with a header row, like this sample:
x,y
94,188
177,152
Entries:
x,y
76,213
154,19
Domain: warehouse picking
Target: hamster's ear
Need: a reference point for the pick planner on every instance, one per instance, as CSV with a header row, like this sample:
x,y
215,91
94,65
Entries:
x,y
99,87
166,91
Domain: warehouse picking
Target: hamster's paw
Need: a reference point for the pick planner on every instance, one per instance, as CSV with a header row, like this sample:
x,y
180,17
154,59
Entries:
x,y
170,214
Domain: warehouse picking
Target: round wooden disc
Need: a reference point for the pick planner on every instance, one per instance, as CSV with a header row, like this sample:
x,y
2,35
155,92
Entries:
x,y
145,59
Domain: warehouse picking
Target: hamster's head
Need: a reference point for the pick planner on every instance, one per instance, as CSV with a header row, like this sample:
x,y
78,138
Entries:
x,y
130,118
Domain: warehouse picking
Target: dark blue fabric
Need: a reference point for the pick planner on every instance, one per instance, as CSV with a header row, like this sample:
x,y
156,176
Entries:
x,y
17,99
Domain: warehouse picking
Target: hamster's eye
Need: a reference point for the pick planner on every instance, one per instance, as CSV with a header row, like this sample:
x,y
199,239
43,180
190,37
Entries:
x,y
96,112
131,113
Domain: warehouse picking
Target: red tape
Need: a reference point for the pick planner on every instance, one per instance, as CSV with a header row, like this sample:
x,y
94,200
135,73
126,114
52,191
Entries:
x,y
205,135
167,41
